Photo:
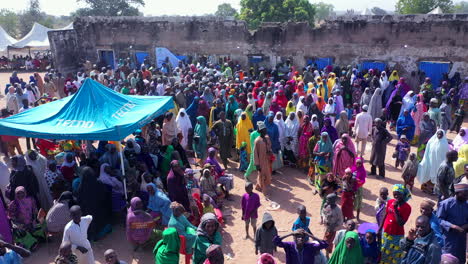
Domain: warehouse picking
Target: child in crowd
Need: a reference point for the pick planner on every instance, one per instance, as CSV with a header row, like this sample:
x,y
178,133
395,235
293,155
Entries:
x,y
381,204
329,185
265,234
350,226
332,218
250,205
192,182
243,161
303,221
410,170
402,150
370,247
349,191
207,205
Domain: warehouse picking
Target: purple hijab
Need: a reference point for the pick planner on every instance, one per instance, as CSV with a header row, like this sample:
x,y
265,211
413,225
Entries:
x,y
327,127
176,185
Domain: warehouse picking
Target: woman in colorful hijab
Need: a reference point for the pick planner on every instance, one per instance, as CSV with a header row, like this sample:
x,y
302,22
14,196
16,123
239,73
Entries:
x,y
167,249
176,185
275,107
344,154
329,111
427,129
266,258
267,102
183,226
396,215
323,152
305,132
417,115
404,87
394,76
348,251
138,229
207,235
281,99
258,116
290,108
158,203
208,96
361,175
273,133
459,165
249,111
461,139
231,107
200,138
184,125
331,131
405,125
301,105
243,126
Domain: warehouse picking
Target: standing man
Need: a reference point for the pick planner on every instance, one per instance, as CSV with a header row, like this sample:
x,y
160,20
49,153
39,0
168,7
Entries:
x,y
446,176
380,138
421,244
262,154
76,232
362,129
453,215
224,131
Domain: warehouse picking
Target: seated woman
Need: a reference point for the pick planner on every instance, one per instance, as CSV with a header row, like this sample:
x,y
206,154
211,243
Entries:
x,y
183,226
158,204
59,215
22,212
225,179
208,184
167,249
140,224
207,234
106,177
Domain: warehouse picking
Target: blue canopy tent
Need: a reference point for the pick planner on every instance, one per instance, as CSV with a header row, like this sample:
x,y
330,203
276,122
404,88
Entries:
x,y
95,112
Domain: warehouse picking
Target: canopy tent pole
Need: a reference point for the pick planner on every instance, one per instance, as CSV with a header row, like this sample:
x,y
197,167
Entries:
x,y
123,171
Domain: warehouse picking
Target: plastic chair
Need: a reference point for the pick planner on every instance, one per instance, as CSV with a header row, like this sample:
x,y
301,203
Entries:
x,y
188,257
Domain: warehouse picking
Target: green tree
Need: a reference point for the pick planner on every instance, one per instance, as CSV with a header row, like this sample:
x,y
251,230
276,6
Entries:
x,y
9,21
323,11
422,6
254,12
226,10
29,16
110,8
378,11
461,8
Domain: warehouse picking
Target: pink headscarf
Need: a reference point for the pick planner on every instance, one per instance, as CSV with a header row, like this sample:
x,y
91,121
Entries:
x,y
134,216
361,173
266,258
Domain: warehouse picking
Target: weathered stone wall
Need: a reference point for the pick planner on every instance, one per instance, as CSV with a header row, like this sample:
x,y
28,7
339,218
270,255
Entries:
x,y
400,41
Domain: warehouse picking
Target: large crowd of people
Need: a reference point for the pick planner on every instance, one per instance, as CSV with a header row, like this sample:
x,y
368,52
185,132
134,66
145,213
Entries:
x,y
40,61
178,168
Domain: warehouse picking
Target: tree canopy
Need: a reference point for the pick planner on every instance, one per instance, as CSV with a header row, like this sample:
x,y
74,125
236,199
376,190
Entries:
x,y
461,8
226,10
110,8
323,11
9,22
254,12
422,6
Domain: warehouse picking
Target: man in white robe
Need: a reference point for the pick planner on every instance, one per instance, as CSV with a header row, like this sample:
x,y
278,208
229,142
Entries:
x,y
76,232
362,129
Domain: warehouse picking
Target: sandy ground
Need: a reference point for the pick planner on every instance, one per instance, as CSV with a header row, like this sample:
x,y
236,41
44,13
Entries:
x,y
289,189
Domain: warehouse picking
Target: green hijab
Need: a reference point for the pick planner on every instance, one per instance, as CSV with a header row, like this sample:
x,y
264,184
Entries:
x,y
167,249
166,162
343,255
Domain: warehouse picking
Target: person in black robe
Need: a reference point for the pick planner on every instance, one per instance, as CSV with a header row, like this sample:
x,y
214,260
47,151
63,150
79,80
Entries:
x,y
22,175
95,199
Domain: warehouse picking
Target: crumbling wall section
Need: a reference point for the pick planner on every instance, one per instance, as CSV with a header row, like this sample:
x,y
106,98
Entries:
x,y
400,41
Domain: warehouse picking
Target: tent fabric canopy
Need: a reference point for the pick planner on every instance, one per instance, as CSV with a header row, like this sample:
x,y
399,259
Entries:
x,y
37,37
95,112
5,39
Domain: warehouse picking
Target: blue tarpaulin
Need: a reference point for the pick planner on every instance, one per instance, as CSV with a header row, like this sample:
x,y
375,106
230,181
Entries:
x,y
435,71
140,57
162,54
95,112
108,57
320,62
366,65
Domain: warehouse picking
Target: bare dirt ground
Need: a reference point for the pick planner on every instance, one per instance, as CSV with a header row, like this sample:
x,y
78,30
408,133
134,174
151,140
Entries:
x,y
289,189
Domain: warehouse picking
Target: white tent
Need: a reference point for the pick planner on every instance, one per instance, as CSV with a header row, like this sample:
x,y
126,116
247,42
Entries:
x,y
5,39
70,26
367,12
436,11
36,38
